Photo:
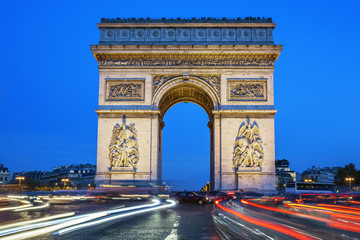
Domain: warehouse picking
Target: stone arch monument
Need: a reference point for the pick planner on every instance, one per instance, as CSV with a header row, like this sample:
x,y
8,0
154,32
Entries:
x,y
224,65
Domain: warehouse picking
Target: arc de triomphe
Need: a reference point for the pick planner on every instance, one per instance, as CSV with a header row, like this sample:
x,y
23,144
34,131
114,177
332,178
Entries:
x,y
226,66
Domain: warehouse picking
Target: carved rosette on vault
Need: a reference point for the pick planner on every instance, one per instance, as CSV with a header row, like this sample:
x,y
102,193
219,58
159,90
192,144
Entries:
x,y
124,147
248,148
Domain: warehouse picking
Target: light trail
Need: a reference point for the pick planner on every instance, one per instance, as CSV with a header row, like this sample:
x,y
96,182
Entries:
x,y
348,226
51,226
337,206
37,220
111,218
32,208
324,208
252,230
27,204
273,226
285,211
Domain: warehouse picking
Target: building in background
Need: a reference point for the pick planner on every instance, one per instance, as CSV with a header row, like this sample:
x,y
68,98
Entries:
x,y
284,175
319,175
30,177
4,175
72,176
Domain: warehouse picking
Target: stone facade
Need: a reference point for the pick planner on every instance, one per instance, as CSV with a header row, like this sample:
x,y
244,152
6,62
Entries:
x,y
140,81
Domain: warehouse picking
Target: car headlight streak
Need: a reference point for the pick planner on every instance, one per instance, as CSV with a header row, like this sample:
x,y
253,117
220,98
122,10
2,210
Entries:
x,y
69,224
111,218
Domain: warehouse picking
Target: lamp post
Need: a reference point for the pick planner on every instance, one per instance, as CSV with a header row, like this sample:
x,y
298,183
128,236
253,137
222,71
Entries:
x,y
349,179
20,178
65,180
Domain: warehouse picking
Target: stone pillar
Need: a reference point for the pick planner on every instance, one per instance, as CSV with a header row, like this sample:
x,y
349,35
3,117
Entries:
x,y
217,152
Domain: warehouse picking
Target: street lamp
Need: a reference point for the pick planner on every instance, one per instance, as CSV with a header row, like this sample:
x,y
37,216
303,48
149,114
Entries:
x,y
20,178
308,180
349,179
65,180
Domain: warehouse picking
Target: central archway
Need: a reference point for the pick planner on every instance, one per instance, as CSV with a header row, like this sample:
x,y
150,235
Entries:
x,y
185,147
186,89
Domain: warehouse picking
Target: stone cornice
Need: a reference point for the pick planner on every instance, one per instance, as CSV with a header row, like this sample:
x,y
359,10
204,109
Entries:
x,y
186,55
186,59
185,48
270,114
244,111
126,111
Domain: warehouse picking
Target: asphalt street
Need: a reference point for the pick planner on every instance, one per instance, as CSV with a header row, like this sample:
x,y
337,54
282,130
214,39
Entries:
x,y
184,221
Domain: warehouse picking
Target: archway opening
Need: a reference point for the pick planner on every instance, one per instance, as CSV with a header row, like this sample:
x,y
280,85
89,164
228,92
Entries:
x,y
186,161
186,147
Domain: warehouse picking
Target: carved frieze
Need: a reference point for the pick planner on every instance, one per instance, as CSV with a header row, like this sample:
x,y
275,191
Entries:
x,y
120,89
124,146
240,90
211,79
185,59
248,148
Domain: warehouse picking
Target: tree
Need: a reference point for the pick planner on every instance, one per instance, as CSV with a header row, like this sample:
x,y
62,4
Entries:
x,y
282,163
348,171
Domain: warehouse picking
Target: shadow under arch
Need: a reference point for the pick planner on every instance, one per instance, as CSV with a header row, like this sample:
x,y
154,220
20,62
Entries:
x,y
189,89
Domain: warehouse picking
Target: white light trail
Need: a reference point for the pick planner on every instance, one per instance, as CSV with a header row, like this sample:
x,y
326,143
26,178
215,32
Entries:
x,y
110,218
27,204
38,220
51,226
32,208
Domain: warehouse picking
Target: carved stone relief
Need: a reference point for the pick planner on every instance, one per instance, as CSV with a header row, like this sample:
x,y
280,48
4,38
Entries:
x,y
212,80
124,89
247,90
185,93
189,60
248,148
124,146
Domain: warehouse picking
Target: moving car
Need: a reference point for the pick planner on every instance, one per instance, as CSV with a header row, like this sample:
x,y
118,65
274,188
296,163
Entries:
x,y
190,197
216,195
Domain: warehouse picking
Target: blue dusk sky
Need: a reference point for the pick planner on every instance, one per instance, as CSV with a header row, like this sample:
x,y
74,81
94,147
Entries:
x,y
49,83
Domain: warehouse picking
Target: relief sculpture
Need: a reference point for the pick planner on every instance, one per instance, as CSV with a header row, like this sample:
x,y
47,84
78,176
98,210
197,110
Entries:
x,y
248,90
248,148
212,79
124,146
254,90
124,90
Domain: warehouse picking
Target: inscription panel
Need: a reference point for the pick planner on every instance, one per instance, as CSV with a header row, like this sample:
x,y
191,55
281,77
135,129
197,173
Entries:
x,y
247,90
118,89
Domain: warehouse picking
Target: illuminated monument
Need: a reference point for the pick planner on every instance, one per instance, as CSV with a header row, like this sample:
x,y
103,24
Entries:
x,y
224,65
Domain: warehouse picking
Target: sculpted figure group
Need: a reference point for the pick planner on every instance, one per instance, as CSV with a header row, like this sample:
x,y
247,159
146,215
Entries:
x,y
248,149
124,147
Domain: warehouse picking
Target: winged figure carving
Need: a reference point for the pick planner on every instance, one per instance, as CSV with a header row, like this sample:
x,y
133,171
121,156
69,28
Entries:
x,y
248,149
124,146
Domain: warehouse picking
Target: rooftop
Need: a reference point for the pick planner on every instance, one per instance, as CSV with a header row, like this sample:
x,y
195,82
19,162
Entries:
x,y
188,20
